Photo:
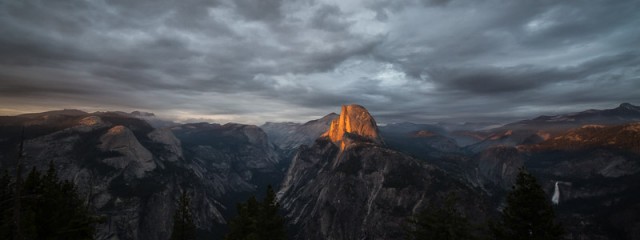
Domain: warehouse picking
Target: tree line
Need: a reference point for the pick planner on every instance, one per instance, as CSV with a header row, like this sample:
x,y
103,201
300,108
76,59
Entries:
x,y
256,220
43,207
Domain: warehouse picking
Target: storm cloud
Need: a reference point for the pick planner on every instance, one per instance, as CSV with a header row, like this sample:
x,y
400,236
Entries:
x,y
252,61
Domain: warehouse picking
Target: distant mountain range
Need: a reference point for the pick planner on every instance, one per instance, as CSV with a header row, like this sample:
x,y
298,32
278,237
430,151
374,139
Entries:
x,y
543,127
341,176
624,113
289,135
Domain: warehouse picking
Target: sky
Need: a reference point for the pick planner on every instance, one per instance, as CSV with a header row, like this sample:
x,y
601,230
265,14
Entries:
x,y
251,61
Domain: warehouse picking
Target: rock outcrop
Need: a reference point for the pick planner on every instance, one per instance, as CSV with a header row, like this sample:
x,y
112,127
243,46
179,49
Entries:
x,y
354,123
171,143
133,155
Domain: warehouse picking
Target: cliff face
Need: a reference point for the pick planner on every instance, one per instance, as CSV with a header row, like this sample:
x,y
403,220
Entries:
x,y
230,156
349,186
498,167
132,173
354,123
133,156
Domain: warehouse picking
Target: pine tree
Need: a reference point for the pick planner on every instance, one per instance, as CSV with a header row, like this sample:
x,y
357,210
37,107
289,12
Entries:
x,y
50,209
30,199
183,226
59,212
528,214
6,200
258,220
444,223
245,225
272,226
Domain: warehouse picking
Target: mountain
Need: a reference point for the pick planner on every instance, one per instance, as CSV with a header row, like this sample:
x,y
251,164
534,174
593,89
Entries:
x,y
235,156
624,113
594,171
619,137
355,124
468,126
508,137
591,172
348,185
422,140
588,163
442,137
341,176
543,127
53,114
288,135
425,142
131,173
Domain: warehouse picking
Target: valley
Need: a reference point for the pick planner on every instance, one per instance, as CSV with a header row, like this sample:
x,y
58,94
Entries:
x,y
342,176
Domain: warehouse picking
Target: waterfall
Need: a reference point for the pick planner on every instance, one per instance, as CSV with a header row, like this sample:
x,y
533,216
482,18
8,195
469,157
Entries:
x,y
556,195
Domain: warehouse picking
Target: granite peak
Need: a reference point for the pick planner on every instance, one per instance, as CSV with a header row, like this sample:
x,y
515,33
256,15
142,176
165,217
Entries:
x,y
354,122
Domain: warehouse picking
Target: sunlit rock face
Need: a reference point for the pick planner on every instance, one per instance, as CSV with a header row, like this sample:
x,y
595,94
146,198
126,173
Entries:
x,y
354,122
91,121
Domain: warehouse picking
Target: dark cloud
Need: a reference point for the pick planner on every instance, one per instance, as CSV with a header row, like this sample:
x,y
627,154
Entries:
x,y
329,18
267,10
492,80
257,60
435,2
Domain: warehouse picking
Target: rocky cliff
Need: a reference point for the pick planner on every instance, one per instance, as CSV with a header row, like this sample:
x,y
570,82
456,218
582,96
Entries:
x,y
354,123
347,185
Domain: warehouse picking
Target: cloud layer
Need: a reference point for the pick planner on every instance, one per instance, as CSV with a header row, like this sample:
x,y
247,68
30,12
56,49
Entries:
x,y
273,60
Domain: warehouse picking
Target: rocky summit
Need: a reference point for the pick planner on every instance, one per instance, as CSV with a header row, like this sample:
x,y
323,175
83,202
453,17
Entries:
x,y
354,123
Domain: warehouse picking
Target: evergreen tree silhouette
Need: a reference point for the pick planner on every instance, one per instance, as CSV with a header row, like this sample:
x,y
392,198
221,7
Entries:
x,y
49,209
258,220
528,214
183,226
6,201
440,223
272,224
